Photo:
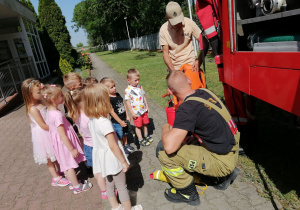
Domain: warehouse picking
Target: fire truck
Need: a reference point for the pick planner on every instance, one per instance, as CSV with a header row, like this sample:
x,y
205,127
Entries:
x,y
260,49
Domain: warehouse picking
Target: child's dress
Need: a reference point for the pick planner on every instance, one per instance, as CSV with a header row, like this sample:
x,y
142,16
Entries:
x,y
63,155
104,160
82,124
42,146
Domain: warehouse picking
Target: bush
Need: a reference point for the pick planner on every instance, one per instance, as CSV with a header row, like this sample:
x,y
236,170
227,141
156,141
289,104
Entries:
x,y
64,66
84,61
79,44
98,49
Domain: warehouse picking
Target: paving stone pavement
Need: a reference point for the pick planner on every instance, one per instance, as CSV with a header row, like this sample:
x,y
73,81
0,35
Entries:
x,y
26,185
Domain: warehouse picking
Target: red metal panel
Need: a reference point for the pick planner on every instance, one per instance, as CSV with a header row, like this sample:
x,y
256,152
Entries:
x,y
271,76
241,61
280,87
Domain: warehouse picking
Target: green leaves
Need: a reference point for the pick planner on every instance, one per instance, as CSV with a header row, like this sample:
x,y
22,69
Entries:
x,y
64,66
104,20
55,34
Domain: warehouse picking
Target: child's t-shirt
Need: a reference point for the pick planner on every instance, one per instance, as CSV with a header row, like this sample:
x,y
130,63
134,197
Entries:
x,y
83,125
136,97
118,106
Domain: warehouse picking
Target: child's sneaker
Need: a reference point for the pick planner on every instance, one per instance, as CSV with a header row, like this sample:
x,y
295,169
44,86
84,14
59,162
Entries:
x,y
59,181
129,148
144,142
149,138
127,152
82,187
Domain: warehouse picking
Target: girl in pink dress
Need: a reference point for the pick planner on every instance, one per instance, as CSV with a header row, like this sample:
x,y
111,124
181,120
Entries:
x,y
73,101
43,152
65,142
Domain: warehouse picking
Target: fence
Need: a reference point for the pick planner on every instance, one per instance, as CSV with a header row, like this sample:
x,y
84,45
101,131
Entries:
x,y
12,73
149,42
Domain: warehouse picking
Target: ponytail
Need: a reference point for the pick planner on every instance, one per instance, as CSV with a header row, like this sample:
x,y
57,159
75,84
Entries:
x,y
73,111
72,99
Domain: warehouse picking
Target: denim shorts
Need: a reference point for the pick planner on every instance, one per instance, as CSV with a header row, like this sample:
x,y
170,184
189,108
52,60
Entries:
x,y
88,152
120,130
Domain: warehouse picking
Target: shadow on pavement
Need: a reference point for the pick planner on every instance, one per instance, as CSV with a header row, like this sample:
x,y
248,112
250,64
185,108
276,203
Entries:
x,y
151,126
134,177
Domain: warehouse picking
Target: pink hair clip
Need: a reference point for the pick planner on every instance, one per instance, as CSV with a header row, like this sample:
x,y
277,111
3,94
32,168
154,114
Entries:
x,y
45,95
52,85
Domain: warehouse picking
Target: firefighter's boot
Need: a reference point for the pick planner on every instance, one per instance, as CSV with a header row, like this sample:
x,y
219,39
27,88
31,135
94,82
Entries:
x,y
188,195
224,182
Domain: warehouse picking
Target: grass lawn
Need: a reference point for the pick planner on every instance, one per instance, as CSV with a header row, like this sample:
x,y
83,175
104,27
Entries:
x,y
272,162
153,71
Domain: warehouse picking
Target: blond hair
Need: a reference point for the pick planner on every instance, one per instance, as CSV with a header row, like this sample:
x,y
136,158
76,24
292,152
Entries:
x,y
26,88
50,92
71,79
72,99
132,72
106,80
90,80
96,102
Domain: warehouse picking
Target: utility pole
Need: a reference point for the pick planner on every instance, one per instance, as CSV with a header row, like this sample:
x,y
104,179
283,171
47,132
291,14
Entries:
x,y
125,18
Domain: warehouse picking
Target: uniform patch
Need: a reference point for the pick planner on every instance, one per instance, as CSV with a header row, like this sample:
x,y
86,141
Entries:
x,y
192,164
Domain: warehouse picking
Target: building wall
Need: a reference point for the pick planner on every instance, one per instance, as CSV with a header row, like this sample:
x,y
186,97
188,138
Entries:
x,y
24,39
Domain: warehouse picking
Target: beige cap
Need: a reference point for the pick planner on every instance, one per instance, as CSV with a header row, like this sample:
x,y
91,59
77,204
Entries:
x,y
174,13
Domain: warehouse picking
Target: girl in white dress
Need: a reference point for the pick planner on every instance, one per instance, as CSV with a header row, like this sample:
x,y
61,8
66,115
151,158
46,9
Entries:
x,y
43,152
109,158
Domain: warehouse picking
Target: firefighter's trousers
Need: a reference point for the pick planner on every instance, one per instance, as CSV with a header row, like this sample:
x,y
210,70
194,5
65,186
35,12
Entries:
x,y
192,158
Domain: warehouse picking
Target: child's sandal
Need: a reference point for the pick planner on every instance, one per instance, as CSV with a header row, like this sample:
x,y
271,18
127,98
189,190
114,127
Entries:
x,y
144,142
83,187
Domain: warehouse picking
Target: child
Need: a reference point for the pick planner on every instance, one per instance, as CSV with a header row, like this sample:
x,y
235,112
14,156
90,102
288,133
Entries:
x,y
108,155
63,137
119,114
73,100
90,81
43,152
136,100
72,80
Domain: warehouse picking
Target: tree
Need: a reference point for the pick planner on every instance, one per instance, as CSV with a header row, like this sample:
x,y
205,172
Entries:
x,y
79,44
104,20
28,4
52,25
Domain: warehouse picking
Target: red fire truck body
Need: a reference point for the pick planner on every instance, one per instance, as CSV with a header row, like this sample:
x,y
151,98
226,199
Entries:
x,y
270,75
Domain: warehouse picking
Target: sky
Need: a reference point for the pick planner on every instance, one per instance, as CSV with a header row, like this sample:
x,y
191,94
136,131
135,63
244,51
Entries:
x,y
67,8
